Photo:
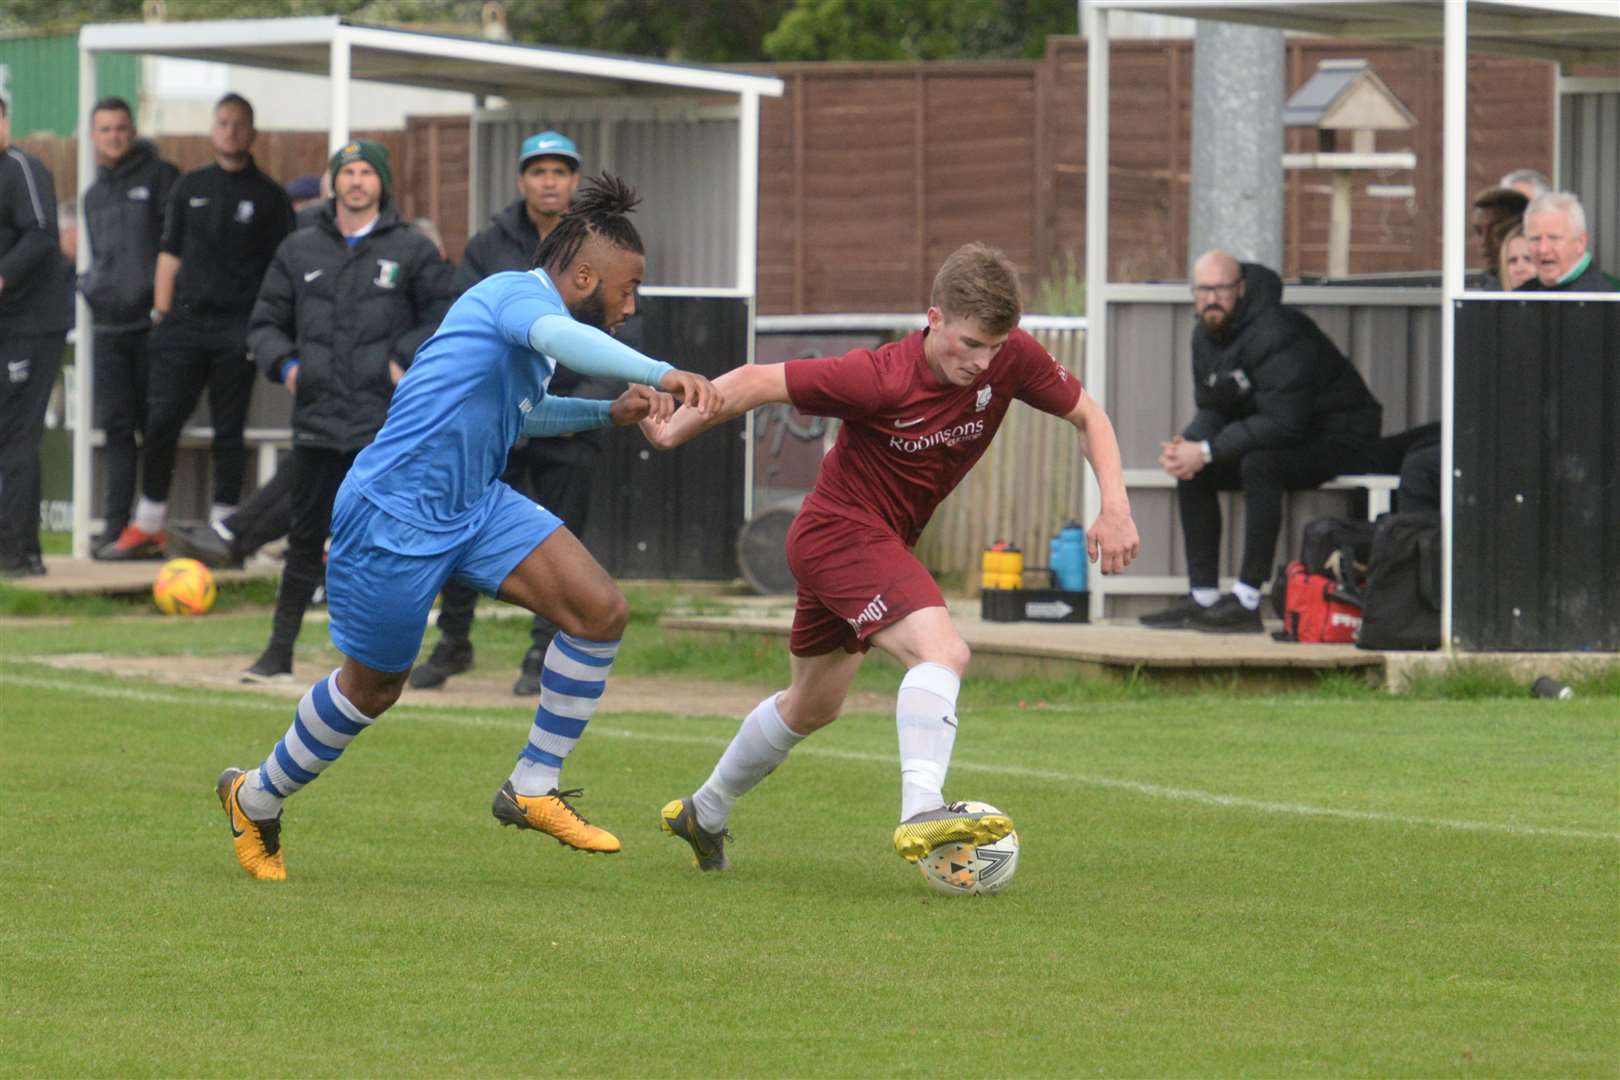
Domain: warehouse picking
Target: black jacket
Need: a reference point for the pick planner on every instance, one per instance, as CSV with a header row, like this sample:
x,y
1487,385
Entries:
x,y
344,313
123,213
508,242
37,295
224,227
1590,280
1275,380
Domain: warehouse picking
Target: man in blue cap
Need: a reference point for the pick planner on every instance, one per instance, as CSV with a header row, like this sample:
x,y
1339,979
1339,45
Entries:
x,y
555,472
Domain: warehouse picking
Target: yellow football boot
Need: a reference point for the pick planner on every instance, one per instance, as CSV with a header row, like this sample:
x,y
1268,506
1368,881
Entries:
x,y
257,843
921,833
551,814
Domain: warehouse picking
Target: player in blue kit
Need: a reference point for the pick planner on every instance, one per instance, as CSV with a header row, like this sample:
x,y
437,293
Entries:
x,y
424,504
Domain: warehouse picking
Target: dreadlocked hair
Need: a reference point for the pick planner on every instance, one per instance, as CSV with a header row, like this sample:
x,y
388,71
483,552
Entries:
x,y
600,209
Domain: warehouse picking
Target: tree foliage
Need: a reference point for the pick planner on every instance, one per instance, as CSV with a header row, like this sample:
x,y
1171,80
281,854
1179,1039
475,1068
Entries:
x,y
699,31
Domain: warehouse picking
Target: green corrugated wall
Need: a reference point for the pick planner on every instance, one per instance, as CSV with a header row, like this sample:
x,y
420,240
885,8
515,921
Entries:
x,y
41,77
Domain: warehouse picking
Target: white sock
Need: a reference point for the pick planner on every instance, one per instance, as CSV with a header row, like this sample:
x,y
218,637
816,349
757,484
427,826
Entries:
x,y
149,515
1248,595
925,714
1206,597
219,512
760,745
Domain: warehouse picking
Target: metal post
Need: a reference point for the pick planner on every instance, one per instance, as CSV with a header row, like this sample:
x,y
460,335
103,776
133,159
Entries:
x,y
747,243
84,334
338,70
1237,143
1096,373
1453,232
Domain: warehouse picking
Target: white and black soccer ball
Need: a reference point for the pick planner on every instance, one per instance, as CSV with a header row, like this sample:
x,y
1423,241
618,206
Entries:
x,y
964,869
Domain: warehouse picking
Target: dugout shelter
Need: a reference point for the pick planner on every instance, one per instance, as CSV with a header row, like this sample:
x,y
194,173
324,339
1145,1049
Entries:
x,y
1526,386
685,136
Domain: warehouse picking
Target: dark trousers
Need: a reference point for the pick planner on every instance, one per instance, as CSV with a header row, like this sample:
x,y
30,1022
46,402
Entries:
x,y
556,473
29,364
266,516
314,478
1262,475
120,395
190,354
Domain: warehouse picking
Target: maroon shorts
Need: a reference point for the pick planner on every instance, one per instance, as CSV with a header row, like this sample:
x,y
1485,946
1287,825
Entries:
x,y
853,581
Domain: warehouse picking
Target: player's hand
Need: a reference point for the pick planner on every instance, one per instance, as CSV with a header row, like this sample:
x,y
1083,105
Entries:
x,y
657,433
640,405
1112,541
695,391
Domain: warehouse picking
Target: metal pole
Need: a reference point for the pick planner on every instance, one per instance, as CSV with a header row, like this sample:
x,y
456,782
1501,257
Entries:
x,y
747,246
338,69
84,333
1455,131
1096,373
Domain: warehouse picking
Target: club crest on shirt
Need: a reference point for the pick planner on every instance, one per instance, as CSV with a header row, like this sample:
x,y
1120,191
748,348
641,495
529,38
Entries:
x,y
244,211
982,402
387,273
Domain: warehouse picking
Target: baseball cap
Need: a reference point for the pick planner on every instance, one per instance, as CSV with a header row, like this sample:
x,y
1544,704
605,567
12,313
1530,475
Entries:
x,y
548,144
304,187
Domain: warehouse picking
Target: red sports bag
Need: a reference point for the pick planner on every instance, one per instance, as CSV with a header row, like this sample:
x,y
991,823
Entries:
x,y
1318,609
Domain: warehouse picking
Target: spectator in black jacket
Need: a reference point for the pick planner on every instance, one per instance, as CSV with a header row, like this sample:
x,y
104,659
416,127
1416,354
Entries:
x,y
556,473
1555,225
123,216
1279,409
223,224
36,309
343,307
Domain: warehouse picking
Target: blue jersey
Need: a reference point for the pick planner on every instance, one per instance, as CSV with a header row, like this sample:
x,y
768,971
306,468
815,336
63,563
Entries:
x,y
461,406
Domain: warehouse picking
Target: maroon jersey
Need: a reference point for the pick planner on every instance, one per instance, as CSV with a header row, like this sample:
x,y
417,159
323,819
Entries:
x,y
907,439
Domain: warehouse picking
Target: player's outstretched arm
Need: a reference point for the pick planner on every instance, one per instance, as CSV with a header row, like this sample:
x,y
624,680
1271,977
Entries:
x,y
1112,540
589,351
744,388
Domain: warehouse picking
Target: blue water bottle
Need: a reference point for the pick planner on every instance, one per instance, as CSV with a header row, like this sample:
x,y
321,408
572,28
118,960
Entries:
x,y
1069,558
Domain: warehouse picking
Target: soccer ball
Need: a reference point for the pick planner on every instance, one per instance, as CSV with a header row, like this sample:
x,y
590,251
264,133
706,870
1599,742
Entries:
x,y
184,587
955,869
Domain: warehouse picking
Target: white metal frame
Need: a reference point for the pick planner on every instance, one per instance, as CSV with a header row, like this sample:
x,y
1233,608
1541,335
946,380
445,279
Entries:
x,y
255,43
1559,39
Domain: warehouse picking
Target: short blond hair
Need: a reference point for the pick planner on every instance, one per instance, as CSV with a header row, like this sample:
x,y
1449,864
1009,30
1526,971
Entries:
x,y
979,282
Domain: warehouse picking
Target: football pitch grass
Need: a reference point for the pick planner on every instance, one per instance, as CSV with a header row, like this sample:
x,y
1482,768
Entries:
x,y
1210,885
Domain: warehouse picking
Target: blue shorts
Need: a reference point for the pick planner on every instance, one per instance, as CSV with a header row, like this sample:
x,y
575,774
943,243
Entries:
x,y
383,573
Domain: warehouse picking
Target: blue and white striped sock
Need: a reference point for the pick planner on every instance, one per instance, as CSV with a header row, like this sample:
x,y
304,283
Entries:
x,y
325,723
571,683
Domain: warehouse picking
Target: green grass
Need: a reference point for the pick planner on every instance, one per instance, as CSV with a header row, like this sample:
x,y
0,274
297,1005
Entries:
x,y
1328,884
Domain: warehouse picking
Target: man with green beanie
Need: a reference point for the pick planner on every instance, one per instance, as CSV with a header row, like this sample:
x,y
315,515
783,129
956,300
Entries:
x,y
343,307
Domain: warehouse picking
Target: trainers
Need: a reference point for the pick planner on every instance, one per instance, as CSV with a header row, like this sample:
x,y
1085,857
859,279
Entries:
x,y
448,658
273,665
1227,616
1175,617
679,818
551,814
921,833
202,543
528,680
134,543
257,843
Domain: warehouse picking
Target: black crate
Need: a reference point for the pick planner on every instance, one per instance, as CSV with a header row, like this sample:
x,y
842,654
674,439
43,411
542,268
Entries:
x,y
1033,605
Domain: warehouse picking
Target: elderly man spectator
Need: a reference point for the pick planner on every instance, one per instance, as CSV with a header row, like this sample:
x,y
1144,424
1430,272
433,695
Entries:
x,y
123,212
1555,225
1527,182
1280,408
36,308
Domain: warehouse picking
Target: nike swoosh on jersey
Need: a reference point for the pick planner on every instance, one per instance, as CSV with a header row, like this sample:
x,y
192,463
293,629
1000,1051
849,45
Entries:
x,y
313,274
910,423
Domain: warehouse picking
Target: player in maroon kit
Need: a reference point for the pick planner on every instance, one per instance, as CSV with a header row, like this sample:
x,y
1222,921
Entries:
x,y
917,414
